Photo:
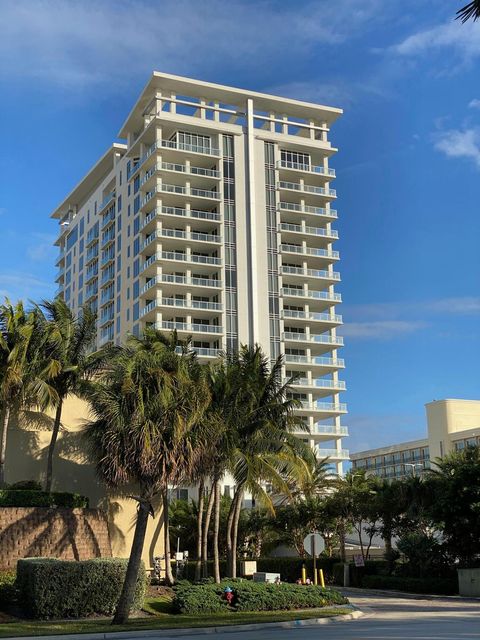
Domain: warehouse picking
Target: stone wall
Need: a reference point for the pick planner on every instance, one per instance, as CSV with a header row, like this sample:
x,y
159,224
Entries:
x,y
71,534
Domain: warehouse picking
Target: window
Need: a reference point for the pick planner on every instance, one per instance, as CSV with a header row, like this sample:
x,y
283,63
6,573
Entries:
x,y
192,141
295,159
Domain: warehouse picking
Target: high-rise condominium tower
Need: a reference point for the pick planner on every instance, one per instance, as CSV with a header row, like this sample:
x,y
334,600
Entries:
x,y
215,219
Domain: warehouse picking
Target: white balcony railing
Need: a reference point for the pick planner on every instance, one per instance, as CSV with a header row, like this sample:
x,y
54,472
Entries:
x,y
173,144
313,231
178,211
186,326
337,454
306,188
316,338
310,251
184,235
180,257
186,280
312,360
309,293
319,211
311,273
308,168
310,315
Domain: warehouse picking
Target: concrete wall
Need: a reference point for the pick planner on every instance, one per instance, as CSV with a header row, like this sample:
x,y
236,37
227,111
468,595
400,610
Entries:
x,y
469,582
70,534
445,418
27,445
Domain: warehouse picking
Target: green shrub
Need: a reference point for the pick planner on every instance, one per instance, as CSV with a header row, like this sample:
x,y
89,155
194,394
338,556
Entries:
x,y
26,484
251,596
34,498
8,591
51,588
290,569
372,567
440,586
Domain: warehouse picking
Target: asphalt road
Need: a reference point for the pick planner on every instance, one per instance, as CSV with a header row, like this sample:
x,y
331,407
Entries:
x,y
387,618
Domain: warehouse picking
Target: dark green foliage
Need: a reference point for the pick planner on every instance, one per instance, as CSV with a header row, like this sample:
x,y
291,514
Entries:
x,y
440,586
32,485
424,555
34,498
252,596
51,588
290,569
357,574
8,591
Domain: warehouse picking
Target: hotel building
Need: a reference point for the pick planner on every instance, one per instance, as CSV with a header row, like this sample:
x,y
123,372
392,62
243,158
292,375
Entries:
x,y
216,218
452,425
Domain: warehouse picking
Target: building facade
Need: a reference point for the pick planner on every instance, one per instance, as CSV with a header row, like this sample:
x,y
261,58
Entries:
x,y
452,425
216,218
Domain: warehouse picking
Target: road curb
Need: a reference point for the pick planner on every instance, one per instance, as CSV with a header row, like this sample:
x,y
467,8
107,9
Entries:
x,y
404,594
237,628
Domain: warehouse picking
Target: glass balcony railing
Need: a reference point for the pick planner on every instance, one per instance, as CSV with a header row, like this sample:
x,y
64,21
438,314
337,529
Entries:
x,y
170,325
306,188
178,211
317,383
312,273
320,211
309,315
313,231
185,235
311,360
310,251
107,200
309,293
309,168
180,257
339,407
182,304
173,144
337,454
312,337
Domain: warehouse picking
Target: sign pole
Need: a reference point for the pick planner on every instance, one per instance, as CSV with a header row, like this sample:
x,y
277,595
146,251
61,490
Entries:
x,y
314,553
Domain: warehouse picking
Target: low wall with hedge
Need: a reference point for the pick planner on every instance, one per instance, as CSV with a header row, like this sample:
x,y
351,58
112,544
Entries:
x,y
251,596
71,534
50,588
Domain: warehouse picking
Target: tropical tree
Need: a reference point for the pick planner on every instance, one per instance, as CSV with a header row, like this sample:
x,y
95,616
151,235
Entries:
x,y
470,11
68,342
23,373
146,405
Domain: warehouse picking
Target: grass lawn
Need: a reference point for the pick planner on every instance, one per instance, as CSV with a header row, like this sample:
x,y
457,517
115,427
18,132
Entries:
x,y
159,617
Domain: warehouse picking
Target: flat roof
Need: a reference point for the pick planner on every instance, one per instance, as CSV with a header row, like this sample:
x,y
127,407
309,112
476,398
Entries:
x,y
451,400
393,448
90,179
222,93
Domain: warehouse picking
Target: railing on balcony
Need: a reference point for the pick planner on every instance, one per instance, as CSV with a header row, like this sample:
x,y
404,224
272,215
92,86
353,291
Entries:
x,y
310,168
181,257
317,383
314,231
312,337
173,144
312,360
309,293
313,273
170,278
306,188
185,235
310,315
108,198
310,251
340,407
186,326
320,211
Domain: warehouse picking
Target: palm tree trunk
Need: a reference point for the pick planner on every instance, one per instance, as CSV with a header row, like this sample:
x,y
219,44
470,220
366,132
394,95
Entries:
x,y
128,590
206,527
216,531
231,516
3,445
341,535
51,446
166,536
201,502
236,520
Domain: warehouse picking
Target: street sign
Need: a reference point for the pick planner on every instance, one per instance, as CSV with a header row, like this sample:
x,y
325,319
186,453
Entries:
x,y
314,544
358,559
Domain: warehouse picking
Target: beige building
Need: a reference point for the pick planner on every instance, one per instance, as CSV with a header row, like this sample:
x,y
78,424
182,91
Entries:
x,y
28,439
452,425
216,218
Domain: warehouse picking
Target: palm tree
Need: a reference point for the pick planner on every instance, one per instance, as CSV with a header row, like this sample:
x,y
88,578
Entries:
x,y
68,342
23,374
469,11
145,405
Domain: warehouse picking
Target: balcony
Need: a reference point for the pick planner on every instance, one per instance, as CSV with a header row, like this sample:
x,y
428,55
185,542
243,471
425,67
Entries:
x,y
311,252
306,209
106,201
108,258
306,188
108,219
175,280
108,237
92,236
316,274
179,303
177,146
186,327
322,407
193,236
172,167
293,314
312,338
92,254
290,292
334,454
60,274
311,231
108,277
60,257
175,256
196,214
181,190
91,273
91,291
306,168
321,364
318,383
330,430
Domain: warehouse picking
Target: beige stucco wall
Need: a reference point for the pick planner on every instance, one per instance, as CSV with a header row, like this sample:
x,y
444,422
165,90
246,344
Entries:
x,y
26,460
446,418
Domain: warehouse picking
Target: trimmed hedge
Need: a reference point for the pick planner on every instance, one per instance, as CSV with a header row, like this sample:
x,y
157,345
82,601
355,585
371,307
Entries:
x,y
252,596
440,586
51,588
34,498
8,591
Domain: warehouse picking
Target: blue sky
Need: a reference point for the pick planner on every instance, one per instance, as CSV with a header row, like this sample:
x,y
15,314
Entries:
x,y
408,78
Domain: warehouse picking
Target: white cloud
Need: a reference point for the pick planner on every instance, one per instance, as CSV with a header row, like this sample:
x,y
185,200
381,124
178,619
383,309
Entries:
x,y
462,40
382,329
24,286
474,104
88,44
457,143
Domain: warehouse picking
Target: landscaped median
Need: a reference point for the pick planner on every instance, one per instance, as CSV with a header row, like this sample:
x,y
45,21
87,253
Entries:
x,y
50,589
